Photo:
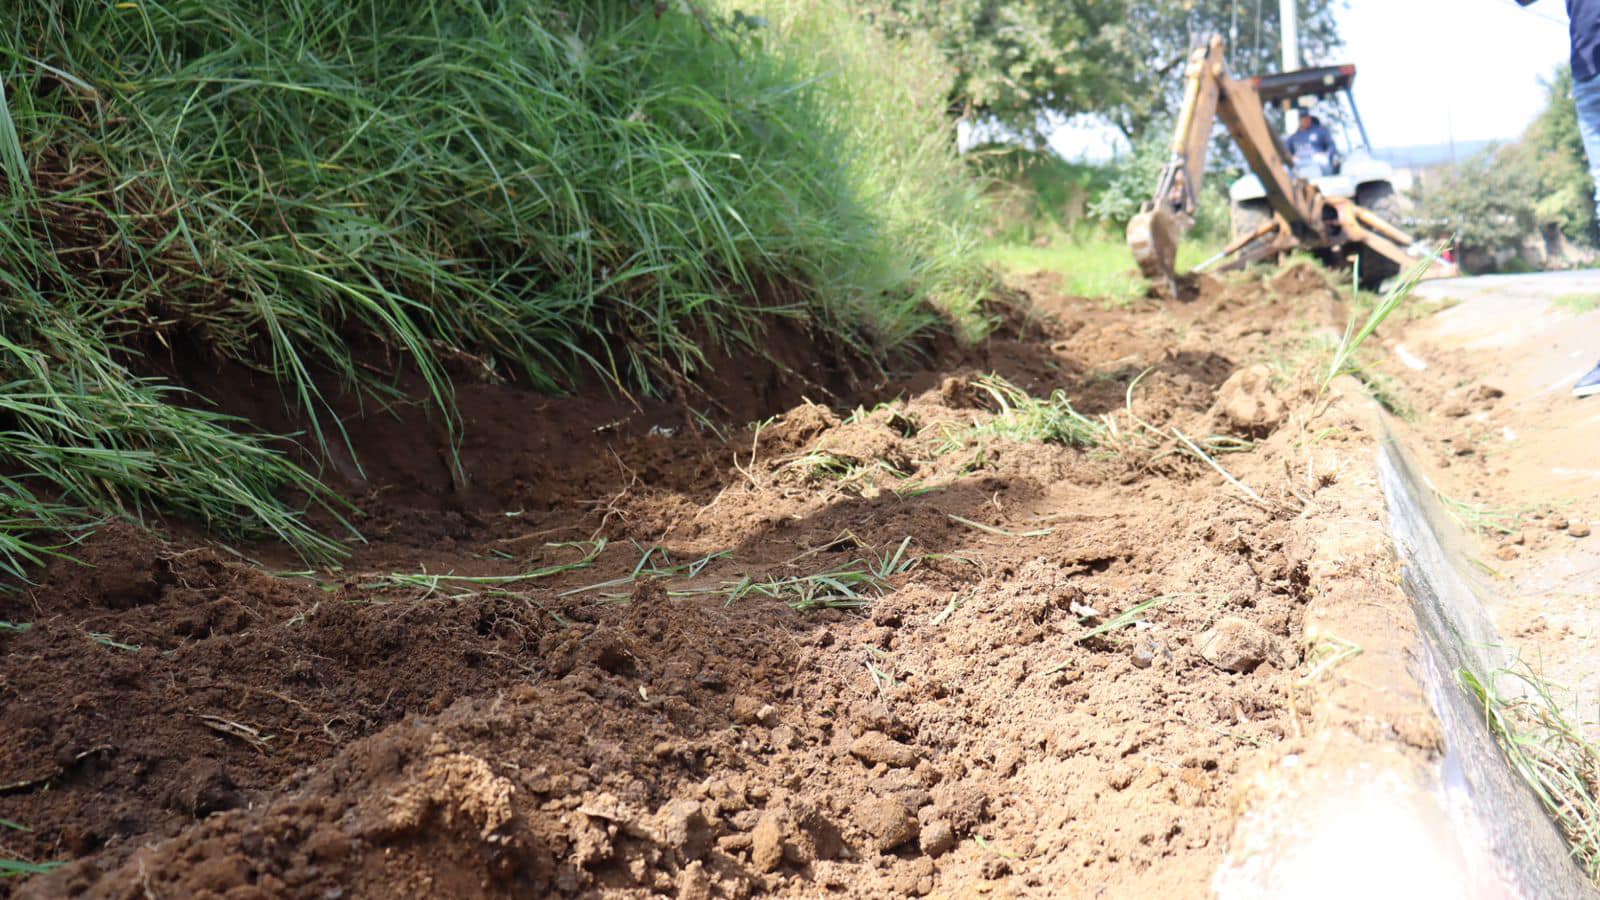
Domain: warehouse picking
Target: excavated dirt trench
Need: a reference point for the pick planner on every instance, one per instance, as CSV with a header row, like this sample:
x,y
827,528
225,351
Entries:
x,y
652,715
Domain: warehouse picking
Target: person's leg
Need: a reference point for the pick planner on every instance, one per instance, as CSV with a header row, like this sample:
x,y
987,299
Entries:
x,y
1587,96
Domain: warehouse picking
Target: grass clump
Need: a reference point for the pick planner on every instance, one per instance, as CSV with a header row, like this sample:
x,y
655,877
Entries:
x,y
519,187
1023,417
1549,750
1579,304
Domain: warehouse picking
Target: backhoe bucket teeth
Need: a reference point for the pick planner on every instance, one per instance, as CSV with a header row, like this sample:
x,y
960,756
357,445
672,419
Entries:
x,y
1153,238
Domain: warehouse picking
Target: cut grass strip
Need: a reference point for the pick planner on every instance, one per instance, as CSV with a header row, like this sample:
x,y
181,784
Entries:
x,y
1205,457
1022,417
1001,532
433,583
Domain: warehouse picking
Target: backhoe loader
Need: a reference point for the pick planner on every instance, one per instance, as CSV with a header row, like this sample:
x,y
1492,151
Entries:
x,y
1287,211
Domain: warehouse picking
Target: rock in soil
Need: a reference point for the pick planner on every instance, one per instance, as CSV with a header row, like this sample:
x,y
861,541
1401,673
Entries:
x,y
888,821
1578,529
1237,645
875,747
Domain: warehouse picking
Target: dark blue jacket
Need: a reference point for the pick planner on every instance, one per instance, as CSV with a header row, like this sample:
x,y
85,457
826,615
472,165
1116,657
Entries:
x,y
1317,137
1585,16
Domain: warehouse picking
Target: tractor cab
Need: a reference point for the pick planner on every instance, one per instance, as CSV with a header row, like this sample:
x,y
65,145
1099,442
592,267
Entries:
x,y
1346,169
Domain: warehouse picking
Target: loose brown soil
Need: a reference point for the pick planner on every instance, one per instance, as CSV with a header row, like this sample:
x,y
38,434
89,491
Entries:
x,y
653,714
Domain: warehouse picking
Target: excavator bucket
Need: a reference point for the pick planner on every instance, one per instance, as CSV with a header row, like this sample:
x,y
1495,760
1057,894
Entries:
x,y
1153,236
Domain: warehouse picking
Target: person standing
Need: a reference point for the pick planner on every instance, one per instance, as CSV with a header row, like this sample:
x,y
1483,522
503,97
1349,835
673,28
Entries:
x,y
1585,32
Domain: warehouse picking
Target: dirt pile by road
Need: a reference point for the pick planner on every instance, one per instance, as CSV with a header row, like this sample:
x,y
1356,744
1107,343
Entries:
x,y
955,641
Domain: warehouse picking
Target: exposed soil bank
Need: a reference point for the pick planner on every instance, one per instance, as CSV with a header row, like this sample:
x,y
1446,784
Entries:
x,y
653,715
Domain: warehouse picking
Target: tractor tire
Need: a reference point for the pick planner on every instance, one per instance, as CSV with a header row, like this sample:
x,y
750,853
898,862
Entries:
x,y
1376,268
1248,215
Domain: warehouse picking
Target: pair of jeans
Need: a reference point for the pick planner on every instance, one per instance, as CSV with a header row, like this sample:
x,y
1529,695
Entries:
x,y
1587,96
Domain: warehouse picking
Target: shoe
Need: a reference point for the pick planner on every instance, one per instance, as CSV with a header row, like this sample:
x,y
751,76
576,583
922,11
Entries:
x,y
1588,385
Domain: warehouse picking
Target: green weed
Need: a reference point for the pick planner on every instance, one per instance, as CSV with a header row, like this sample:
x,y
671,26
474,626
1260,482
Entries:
x,y
16,868
1354,337
465,585
1480,518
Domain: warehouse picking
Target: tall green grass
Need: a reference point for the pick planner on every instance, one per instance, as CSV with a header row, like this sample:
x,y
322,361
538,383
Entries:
x,y
553,188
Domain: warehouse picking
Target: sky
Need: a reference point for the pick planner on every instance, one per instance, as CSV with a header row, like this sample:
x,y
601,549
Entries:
x,y
1428,71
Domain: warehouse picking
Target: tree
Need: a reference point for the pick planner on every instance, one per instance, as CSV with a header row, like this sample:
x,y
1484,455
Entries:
x,y
1487,200
1020,61
1160,35
1499,197
1552,148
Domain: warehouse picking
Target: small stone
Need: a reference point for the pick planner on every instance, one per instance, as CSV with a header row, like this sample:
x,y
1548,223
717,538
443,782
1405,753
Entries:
x,y
746,710
1144,653
783,737
1520,538
938,838
1558,522
767,715
888,821
766,842
875,747
1236,645
1578,529
1507,552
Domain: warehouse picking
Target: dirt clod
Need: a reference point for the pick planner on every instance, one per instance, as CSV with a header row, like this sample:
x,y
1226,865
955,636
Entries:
x,y
938,838
1246,402
766,842
887,821
1578,529
683,827
875,747
747,710
1236,645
